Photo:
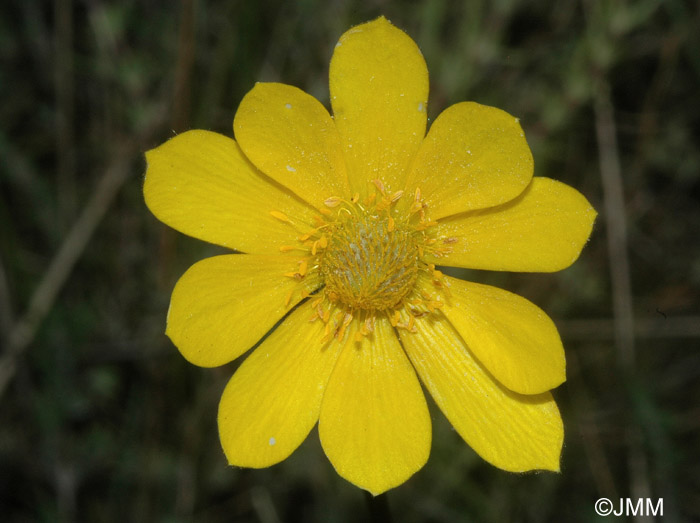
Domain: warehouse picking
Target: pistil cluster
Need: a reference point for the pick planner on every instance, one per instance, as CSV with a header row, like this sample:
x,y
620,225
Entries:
x,y
367,257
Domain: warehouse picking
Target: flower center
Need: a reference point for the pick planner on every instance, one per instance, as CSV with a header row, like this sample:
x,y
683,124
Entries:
x,y
369,264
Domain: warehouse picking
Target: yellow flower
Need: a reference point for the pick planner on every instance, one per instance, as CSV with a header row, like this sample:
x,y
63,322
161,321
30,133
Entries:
x,y
343,220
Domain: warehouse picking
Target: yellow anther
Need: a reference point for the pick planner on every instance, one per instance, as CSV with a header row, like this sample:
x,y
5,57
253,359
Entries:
x,y
379,185
391,224
303,267
355,198
346,321
288,298
314,248
369,324
395,318
449,239
326,212
323,242
287,248
396,196
326,316
326,333
333,201
384,204
280,216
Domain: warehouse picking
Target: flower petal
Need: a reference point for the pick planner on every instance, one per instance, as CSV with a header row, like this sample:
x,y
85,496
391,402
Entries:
x,y
512,337
290,136
274,398
374,424
474,156
512,431
223,305
379,93
542,230
200,183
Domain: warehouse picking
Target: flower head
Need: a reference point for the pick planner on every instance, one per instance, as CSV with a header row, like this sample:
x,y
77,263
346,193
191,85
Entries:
x,y
342,221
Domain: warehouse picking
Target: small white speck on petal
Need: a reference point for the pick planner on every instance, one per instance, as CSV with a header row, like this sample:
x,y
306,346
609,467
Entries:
x,y
272,441
420,107
291,169
288,106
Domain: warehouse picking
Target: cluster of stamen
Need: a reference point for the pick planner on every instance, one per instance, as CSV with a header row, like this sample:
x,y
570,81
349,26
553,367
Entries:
x,y
367,256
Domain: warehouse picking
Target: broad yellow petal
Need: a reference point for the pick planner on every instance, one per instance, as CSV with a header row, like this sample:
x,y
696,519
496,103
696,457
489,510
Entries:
x,y
513,338
379,93
290,136
474,156
542,230
512,431
374,424
200,183
223,305
274,398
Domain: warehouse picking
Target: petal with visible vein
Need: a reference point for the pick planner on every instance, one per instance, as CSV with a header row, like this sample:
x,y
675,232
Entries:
x,y
374,424
511,431
274,398
513,338
473,157
290,136
542,230
200,183
379,93
223,305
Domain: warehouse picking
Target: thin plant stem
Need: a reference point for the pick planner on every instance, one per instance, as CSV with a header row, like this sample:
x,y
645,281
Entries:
x,y
378,507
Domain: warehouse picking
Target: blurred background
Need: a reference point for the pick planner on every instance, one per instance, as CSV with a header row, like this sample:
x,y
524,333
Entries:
x,y
102,420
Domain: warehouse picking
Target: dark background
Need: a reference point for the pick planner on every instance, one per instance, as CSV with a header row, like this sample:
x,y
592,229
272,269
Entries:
x,y
102,420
